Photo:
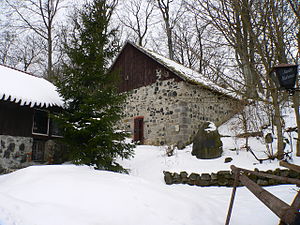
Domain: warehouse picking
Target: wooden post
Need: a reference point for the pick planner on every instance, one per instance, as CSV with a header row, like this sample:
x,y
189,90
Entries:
x,y
235,184
285,212
295,204
290,166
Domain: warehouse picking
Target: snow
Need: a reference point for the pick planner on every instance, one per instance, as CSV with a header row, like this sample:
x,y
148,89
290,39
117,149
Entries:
x,y
76,195
186,73
26,89
211,127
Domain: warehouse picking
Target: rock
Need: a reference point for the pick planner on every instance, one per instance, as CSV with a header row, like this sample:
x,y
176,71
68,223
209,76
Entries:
x,y
284,173
224,174
293,174
168,177
205,176
193,178
262,182
222,182
252,177
2,170
214,176
203,183
184,177
180,145
176,178
207,143
227,160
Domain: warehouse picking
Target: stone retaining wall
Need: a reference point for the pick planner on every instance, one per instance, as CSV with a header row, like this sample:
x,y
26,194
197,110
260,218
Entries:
x,y
224,178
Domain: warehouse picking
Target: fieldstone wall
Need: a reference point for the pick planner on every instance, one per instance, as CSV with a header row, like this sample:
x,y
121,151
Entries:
x,y
173,111
14,151
224,178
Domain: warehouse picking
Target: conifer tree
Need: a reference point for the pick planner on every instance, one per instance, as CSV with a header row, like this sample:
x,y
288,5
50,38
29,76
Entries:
x,y
93,106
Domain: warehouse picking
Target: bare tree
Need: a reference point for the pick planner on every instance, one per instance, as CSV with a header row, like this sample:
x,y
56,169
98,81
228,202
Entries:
x,y
260,35
38,16
137,16
295,5
170,17
6,44
29,53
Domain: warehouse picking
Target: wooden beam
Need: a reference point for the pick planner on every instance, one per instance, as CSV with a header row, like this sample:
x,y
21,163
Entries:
x,y
235,184
271,176
295,204
290,166
285,212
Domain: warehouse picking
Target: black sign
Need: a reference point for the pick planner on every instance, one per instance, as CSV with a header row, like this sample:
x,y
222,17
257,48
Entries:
x,y
286,76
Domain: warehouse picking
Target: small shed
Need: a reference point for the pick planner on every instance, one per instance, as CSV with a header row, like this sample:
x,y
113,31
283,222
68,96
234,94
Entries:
x,y
27,132
167,101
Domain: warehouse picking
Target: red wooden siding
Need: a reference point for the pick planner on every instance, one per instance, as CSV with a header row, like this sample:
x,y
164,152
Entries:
x,y
137,69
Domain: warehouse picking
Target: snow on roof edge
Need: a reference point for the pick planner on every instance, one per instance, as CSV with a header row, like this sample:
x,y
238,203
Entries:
x,y
27,89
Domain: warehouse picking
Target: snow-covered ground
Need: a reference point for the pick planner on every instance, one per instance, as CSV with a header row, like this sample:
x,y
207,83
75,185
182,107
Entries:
x,y
79,195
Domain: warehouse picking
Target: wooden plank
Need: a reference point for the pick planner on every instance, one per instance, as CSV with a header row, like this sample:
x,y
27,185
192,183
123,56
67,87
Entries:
x,y
271,176
285,212
236,181
295,204
290,166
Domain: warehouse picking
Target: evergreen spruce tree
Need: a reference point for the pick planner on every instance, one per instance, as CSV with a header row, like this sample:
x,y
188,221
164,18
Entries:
x,y
93,106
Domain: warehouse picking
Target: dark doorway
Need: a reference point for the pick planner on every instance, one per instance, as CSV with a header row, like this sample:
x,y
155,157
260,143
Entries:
x,y
38,150
139,129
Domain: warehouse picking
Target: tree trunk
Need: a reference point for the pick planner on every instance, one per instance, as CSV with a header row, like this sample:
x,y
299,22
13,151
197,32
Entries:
x,y
297,115
50,64
278,124
296,95
170,41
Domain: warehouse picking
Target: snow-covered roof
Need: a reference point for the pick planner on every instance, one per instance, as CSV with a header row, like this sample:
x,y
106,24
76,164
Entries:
x,y
26,89
185,73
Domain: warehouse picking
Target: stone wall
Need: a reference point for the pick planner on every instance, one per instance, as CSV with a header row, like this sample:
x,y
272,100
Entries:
x,y
224,178
173,111
14,151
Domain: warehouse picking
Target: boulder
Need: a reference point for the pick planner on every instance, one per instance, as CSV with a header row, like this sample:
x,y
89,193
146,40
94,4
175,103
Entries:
x,y
227,160
168,177
207,143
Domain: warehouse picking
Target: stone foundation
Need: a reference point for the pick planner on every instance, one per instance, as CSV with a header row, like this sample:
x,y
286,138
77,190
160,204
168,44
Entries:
x,y
15,151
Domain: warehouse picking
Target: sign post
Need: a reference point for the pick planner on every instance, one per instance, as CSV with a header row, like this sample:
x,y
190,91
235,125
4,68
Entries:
x,y
284,76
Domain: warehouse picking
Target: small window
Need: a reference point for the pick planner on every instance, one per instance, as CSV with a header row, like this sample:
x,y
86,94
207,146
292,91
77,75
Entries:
x,y
40,122
56,129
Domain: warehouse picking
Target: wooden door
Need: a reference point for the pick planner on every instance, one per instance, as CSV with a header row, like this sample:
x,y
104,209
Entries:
x,y
38,150
139,129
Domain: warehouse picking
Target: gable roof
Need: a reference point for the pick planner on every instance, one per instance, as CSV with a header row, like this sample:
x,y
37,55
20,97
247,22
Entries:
x,y
26,89
184,73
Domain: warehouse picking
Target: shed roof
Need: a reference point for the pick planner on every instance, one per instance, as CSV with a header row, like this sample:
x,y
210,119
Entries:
x,y
26,89
185,73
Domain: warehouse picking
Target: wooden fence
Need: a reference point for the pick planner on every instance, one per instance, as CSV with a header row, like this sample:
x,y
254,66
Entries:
x,y
288,214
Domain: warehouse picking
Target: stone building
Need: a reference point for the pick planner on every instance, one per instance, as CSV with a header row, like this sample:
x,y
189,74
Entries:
x,y
27,133
167,101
